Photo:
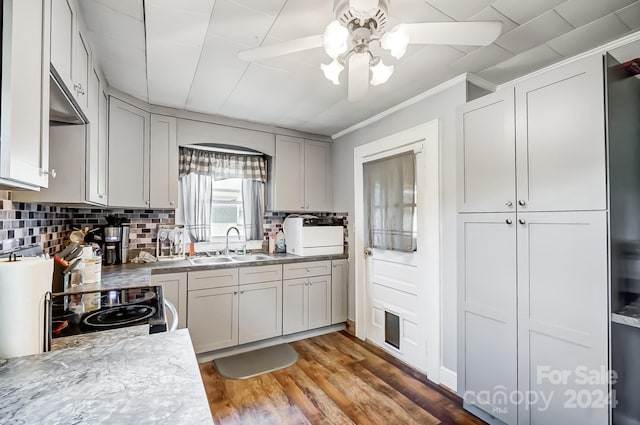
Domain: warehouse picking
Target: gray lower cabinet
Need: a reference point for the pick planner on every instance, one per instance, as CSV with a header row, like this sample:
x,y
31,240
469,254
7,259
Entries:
x,y
339,291
174,288
213,318
260,303
306,296
532,309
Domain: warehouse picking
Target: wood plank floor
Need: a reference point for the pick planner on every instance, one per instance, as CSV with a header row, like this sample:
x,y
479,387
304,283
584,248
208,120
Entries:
x,y
337,380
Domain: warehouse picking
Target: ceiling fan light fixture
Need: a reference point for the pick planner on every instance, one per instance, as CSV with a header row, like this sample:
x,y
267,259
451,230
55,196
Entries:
x,y
396,41
335,39
380,73
363,9
332,71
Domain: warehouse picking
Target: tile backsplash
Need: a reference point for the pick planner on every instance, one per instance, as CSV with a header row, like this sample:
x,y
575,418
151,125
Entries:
x,y
24,224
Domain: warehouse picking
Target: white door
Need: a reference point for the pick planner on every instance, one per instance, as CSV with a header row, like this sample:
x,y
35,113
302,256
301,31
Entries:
x,y
398,293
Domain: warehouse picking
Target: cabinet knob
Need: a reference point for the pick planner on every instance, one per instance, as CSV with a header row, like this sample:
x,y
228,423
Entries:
x,y
509,221
522,221
51,173
241,292
509,203
235,292
307,207
146,202
522,203
100,196
78,88
172,203
302,207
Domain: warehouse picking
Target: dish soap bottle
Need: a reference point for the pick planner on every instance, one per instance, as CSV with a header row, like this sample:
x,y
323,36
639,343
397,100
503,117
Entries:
x,y
281,247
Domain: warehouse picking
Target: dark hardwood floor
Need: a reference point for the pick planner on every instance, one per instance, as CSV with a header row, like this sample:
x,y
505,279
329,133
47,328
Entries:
x,y
337,380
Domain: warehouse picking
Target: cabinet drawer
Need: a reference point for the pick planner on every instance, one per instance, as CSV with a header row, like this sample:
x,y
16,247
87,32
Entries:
x,y
259,274
312,268
209,279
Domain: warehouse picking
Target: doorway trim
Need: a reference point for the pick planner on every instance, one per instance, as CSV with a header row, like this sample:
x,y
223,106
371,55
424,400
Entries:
x,y
425,138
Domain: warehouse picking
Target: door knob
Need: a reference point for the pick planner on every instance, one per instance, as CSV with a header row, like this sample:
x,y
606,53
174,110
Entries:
x,y
508,221
522,203
522,221
368,252
509,203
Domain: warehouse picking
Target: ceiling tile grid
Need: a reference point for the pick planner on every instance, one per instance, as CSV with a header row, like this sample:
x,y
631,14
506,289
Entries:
x,y
188,54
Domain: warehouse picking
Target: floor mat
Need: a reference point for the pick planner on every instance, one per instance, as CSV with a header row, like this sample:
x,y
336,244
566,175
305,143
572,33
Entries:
x,y
254,363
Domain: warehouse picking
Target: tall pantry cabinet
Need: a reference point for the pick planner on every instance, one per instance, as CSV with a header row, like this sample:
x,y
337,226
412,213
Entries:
x,y
532,229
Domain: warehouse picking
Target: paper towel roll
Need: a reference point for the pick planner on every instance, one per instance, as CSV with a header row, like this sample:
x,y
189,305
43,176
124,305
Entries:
x,y
23,286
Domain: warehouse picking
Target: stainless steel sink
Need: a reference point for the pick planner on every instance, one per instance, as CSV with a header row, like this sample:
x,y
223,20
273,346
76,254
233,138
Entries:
x,y
210,260
251,257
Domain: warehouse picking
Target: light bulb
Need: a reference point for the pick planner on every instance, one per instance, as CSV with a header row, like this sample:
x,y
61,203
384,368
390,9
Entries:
x,y
332,71
396,41
380,73
335,39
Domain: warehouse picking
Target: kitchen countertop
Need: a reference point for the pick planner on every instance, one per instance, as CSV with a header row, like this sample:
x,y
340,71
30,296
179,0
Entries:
x,y
130,274
145,379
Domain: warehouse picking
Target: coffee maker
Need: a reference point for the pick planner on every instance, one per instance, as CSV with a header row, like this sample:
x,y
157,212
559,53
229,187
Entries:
x,y
112,245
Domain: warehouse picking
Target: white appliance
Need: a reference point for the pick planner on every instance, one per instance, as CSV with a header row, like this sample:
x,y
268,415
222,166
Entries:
x,y
24,285
310,236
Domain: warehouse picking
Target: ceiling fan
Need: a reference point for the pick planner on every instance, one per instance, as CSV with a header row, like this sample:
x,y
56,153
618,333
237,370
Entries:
x,y
358,24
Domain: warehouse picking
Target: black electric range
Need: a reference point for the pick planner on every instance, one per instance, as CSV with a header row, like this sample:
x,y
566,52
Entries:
x,y
93,311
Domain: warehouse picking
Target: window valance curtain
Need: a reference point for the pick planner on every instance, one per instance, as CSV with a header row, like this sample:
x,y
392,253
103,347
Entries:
x,y
222,165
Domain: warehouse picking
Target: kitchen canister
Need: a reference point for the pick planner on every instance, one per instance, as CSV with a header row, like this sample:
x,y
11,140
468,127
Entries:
x,y
24,284
92,269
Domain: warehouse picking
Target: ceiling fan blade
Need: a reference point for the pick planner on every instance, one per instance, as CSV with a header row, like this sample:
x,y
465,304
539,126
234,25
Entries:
x,y
454,33
358,76
281,49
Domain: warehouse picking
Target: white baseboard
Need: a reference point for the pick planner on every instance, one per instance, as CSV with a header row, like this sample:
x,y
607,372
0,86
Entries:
x,y
449,378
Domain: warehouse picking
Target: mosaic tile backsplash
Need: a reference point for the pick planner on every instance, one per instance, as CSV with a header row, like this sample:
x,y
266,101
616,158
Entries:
x,y
23,224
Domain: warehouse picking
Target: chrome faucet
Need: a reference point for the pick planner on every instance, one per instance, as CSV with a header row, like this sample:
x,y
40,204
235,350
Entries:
x,y
226,247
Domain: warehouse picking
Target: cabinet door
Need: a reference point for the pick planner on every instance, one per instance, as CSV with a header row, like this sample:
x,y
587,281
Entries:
x,y
289,174
560,138
260,311
24,132
62,17
317,157
213,318
487,294
103,147
128,155
486,152
174,288
95,150
562,315
80,69
163,181
319,300
295,298
339,291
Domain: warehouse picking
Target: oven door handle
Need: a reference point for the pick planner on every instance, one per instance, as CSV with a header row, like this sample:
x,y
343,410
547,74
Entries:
x,y
174,314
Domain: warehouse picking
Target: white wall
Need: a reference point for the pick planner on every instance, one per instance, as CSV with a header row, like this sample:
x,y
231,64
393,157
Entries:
x,y
440,106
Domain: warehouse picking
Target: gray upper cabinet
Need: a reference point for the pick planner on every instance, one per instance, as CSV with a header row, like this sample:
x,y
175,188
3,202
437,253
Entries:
x,y
24,127
163,166
62,36
80,67
563,315
96,172
128,155
488,344
546,154
486,152
560,139
301,177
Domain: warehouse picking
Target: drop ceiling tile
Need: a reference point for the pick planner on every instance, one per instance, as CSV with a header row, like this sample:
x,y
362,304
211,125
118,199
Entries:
x,y
239,24
523,11
521,64
415,11
630,15
190,6
460,10
107,22
270,7
301,18
176,27
218,73
535,32
588,36
581,12
132,8
491,14
483,58
111,54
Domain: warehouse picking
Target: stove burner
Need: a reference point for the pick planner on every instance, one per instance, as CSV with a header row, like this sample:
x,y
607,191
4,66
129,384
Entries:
x,y
118,316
